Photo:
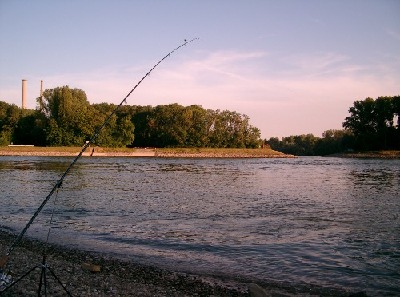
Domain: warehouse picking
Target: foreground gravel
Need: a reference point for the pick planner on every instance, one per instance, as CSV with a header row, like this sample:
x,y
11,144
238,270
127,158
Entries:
x,y
115,278
91,274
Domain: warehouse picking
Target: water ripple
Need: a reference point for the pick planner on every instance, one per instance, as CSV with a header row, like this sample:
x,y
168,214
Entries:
x,y
320,221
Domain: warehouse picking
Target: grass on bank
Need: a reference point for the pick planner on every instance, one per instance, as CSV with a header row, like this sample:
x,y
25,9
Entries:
x,y
221,151
169,151
389,154
59,149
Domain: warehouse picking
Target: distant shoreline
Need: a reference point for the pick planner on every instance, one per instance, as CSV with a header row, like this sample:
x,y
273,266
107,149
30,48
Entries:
x,y
141,152
369,155
27,150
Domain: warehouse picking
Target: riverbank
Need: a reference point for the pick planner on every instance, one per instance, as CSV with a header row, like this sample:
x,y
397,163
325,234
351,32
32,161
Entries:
x,y
76,269
220,153
369,155
92,274
142,152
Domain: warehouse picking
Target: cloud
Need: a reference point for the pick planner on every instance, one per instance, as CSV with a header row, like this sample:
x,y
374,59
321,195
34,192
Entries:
x,y
394,34
312,95
282,95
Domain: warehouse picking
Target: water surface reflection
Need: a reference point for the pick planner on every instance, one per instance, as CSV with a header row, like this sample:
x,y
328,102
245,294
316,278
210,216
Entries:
x,y
324,221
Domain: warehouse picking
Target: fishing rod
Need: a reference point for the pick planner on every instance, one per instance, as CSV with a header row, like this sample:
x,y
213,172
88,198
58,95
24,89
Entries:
x,y
58,184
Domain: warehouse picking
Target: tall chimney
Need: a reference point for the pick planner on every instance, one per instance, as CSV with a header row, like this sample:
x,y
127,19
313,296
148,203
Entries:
x,y
41,88
24,93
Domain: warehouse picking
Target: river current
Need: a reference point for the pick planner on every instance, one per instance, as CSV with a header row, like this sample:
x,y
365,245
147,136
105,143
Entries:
x,y
324,222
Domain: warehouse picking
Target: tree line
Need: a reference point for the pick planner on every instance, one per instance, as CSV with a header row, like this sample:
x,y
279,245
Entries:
x,y
64,117
331,142
373,124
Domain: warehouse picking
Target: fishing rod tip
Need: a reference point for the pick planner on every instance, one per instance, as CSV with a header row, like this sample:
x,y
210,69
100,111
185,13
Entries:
x,y
193,39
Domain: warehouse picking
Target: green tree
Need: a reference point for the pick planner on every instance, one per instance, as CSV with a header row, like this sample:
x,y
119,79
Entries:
x,y
362,124
251,135
192,126
31,129
334,141
118,132
168,125
10,115
67,111
372,123
300,145
199,126
123,133
384,118
141,120
232,130
274,143
361,119
219,136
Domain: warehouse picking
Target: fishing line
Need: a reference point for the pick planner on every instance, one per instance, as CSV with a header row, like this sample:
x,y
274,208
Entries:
x,y
58,184
51,222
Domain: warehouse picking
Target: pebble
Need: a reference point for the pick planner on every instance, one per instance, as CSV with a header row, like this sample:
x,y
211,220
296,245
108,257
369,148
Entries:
x,y
116,278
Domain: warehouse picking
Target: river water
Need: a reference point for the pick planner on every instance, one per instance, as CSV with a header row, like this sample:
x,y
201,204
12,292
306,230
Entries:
x,y
324,222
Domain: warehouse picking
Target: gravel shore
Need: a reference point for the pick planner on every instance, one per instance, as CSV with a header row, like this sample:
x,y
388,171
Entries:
x,y
115,278
141,152
92,274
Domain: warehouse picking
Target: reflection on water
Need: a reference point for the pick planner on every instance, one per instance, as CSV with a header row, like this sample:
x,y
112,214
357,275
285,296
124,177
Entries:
x,y
323,221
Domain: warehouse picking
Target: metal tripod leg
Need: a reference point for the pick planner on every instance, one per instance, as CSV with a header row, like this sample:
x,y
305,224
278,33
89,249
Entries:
x,y
19,279
59,282
43,279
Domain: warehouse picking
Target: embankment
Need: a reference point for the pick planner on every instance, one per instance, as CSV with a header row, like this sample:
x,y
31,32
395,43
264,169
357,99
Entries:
x,y
142,152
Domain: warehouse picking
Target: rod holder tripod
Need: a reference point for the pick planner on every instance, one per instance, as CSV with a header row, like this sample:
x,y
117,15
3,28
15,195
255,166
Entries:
x,y
44,269
43,266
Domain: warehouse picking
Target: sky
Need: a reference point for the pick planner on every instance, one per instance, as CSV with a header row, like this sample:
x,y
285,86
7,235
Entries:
x,y
293,66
